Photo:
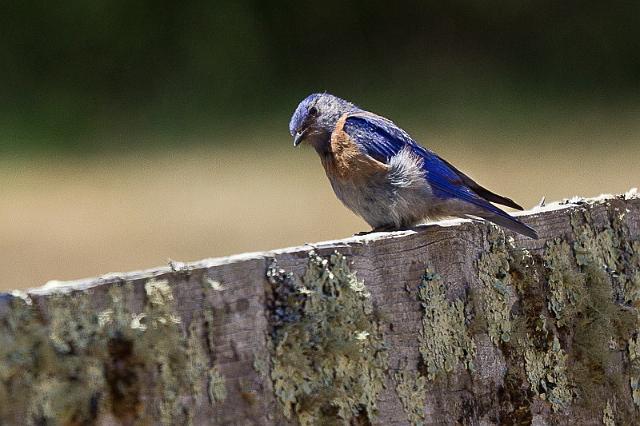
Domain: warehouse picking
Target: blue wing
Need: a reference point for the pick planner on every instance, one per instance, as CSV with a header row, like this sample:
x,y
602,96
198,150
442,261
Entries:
x,y
381,139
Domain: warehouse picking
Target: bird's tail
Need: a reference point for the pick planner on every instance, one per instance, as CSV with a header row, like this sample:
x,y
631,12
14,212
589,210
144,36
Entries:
x,y
502,218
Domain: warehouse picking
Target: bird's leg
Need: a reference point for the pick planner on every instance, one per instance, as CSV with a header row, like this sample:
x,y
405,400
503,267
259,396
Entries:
x,y
382,228
360,234
385,228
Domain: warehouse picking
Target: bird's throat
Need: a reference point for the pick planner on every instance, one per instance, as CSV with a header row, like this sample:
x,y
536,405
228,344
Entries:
x,y
321,142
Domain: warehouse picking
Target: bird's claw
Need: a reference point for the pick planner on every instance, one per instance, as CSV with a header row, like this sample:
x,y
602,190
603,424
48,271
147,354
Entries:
x,y
384,228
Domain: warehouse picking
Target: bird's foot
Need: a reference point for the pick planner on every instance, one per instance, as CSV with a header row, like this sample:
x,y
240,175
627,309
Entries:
x,y
383,228
360,234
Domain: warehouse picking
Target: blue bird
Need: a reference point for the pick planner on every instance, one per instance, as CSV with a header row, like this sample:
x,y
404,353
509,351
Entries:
x,y
381,174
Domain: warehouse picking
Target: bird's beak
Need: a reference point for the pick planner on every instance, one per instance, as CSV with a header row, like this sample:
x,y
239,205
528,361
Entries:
x,y
299,137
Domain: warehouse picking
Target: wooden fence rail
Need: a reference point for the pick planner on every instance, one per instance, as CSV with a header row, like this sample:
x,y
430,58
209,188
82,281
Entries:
x,y
454,323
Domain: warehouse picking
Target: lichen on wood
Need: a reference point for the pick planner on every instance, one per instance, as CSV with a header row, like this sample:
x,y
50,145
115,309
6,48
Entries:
x,y
85,364
547,374
329,359
497,293
35,386
567,286
445,341
605,257
411,387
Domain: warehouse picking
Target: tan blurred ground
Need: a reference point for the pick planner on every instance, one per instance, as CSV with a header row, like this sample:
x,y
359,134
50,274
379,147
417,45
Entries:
x,y
65,219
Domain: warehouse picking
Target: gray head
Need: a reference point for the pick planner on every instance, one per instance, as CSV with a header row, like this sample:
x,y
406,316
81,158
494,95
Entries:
x,y
315,118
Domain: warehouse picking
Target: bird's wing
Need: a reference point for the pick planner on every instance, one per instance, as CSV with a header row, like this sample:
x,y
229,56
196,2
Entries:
x,y
382,139
378,137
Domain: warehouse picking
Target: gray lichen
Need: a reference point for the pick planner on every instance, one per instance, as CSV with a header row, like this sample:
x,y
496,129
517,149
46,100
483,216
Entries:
x,y
160,329
412,390
567,286
216,386
512,300
214,284
444,339
261,364
607,260
329,357
497,291
34,386
547,374
593,247
73,364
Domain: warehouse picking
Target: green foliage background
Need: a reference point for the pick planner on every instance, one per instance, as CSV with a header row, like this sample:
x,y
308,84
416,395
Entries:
x,y
92,75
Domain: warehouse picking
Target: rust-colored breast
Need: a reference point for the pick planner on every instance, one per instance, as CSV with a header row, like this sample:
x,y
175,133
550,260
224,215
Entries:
x,y
346,161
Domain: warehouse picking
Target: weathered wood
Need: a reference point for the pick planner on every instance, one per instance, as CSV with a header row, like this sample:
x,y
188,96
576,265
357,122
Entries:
x,y
456,323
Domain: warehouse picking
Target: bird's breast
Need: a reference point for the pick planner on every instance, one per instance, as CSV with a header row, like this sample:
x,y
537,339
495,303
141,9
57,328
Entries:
x,y
345,161
359,181
383,194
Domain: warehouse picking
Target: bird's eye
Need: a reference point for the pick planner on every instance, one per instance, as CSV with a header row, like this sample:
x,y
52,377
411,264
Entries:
x,y
313,111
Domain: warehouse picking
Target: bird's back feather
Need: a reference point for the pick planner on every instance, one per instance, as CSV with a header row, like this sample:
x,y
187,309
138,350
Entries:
x,y
381,139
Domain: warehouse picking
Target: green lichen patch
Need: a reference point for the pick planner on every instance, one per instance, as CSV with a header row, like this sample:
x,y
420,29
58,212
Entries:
x,y
34,387
261,364
329,358
591,247
602,325
497,289
534,355
72,364
584,280
547,374
216,386
444,339
599,327
627,277
611,250
412,390
526,323
573,313
159,328
567,286
583,301
621,254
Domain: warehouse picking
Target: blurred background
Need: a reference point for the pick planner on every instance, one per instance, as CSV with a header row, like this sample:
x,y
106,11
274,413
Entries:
x,y
135,132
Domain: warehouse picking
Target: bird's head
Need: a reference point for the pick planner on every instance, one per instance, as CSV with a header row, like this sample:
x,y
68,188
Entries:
x,y
315,118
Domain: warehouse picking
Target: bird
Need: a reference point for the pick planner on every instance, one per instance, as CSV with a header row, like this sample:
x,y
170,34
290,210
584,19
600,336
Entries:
x,y
384,176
